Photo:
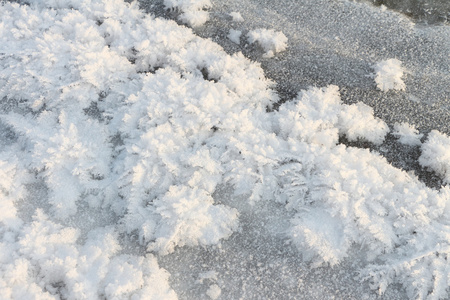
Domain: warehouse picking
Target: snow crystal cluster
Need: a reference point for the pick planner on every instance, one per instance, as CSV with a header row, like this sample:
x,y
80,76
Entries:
x,y
407,134
235,36
111,110
236,16
192,12
436,154
388,75
270,40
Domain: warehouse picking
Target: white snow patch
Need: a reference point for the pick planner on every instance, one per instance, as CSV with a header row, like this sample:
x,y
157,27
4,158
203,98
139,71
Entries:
x,y
236,16
357,121
235,36
407,134
436,154
318,116
192,11
388,75
318,232
214,291
270,40
190,218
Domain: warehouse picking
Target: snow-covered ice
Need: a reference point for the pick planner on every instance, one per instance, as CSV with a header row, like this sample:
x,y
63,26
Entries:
x,y
132,145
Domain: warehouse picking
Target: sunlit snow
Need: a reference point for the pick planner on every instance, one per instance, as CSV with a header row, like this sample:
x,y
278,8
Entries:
x,y
130,145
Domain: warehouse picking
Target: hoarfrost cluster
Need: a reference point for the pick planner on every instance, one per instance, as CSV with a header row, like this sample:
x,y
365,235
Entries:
x,y
113,111
388,75
407,134
192,12
270,40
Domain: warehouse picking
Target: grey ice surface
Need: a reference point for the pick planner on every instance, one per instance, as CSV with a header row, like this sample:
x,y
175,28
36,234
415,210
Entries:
x,y
330,42
259,263
426,11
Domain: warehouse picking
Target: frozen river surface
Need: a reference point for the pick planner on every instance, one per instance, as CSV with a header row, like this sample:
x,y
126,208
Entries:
x,y
329,42
142,160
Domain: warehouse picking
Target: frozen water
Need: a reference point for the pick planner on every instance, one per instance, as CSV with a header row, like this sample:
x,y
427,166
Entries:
x,y
132,145
329,44
427,11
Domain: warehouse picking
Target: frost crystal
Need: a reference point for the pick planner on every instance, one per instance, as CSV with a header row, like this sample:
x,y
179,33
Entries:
x,y
407,134
214,291
235,36
270,40
192,12
388,75
236,16
436,155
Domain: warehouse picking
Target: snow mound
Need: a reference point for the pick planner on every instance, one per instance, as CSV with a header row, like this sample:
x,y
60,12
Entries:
x,y
192,11
407,134
270,40
436,155
388,75
344,196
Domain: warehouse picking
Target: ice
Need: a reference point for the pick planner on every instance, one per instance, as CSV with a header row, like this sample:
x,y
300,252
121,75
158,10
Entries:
x,y
138,151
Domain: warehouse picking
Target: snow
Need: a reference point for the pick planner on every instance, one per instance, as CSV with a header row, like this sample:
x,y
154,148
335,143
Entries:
x,y
237,17
435,154
214,291
235,36
270,40
133,139
191,11
407,134
388,75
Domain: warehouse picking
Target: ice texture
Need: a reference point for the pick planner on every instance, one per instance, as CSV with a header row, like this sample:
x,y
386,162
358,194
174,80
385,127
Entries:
x,y
113,111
